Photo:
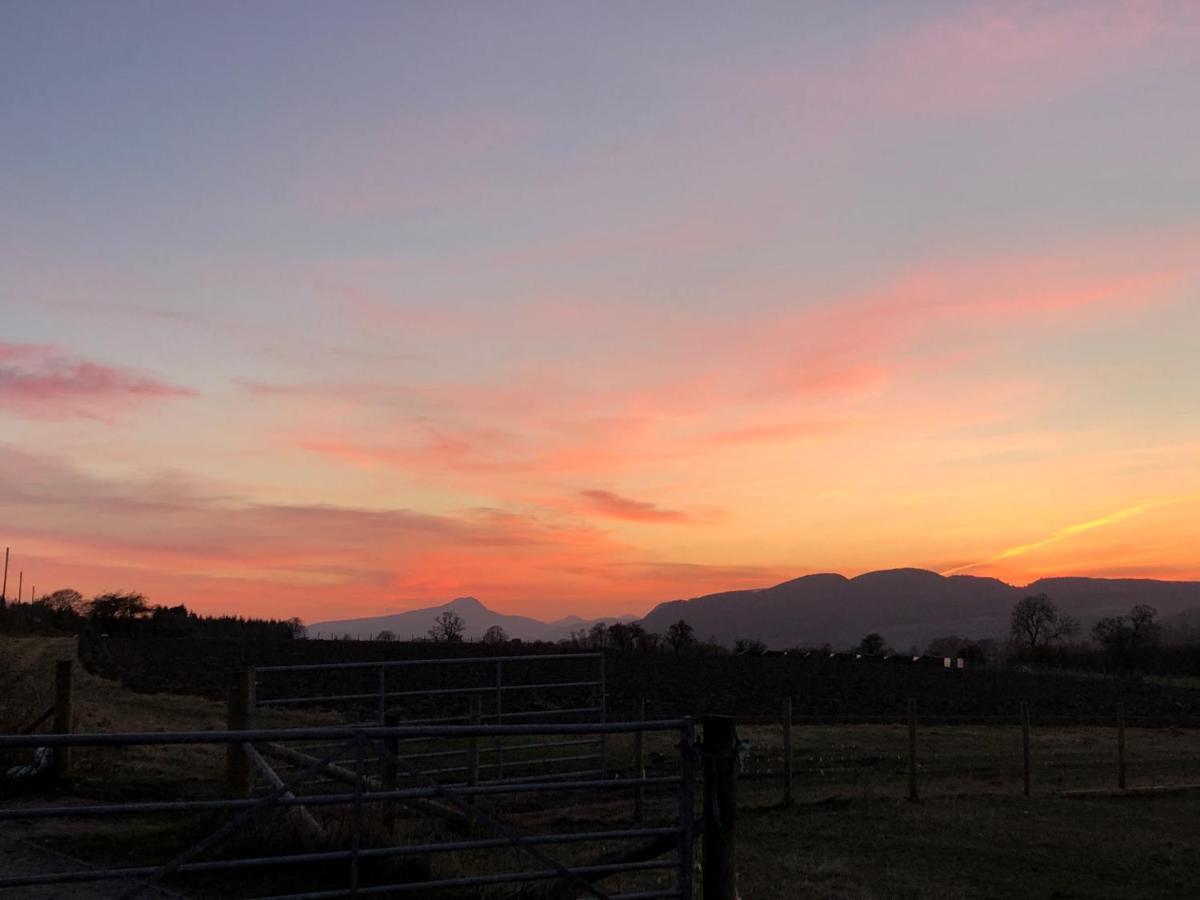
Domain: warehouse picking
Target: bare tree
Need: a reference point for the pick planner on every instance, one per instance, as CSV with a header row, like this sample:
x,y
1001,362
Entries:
x,y
64,600
448,627
1036,622
681,636
495,635
598,635
298,628
117,611
1129,641
386,635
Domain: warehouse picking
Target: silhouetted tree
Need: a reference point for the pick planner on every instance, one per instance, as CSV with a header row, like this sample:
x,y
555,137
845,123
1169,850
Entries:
x,y
297,627
1036,622
64,600
117,611
872,644
448,626
386,635
645,641
681,636
495,635
1130,640
620,636
598,635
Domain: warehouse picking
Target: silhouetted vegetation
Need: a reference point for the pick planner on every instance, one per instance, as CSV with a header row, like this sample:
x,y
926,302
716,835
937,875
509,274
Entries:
x,y
448,627
130,614
873,644
1036,622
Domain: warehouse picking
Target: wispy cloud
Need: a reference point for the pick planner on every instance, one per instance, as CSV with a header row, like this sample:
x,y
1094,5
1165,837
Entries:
x,y
42,382
606,503
1066,533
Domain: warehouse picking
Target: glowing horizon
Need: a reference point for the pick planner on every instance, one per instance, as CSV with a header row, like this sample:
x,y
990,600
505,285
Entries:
x,y
580,310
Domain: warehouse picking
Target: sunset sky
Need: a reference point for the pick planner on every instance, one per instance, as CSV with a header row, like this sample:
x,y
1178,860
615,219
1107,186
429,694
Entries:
x,y
329,309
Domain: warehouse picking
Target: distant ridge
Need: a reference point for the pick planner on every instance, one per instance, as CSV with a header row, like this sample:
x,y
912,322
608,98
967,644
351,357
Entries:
x,y
478,618
907,606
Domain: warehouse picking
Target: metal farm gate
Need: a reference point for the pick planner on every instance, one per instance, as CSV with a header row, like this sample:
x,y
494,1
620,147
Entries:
x,y
532,688
566,829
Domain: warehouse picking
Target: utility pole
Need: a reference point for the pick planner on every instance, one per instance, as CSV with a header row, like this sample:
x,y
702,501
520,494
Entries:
x,y
4,590
20,585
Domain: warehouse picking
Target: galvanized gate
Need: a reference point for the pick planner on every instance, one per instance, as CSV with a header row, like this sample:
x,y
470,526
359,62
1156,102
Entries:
x,y
401,787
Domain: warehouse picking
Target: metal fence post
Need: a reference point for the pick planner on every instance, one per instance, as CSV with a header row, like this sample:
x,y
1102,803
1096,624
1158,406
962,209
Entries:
x,y
63,713
1121,746
1025,749
639,766
499,718
720,808
356,822
787,751
382,695
475,714
912,750
687,804
603,716
391,772
237,718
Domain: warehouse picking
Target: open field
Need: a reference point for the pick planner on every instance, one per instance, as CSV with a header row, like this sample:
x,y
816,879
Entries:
x,y
674,685
851,833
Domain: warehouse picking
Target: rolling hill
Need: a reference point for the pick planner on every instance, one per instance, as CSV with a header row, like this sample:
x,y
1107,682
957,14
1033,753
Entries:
x,y
907,606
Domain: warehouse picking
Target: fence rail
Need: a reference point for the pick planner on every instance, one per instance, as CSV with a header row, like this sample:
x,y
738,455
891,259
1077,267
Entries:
x,y
463,800
498,689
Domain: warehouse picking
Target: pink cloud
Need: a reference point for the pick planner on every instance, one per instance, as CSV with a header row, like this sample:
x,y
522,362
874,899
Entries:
x,y
606,503
790,368
214,548
40,382
981,58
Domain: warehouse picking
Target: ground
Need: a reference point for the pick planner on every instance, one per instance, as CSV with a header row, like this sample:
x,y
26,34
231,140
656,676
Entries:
x,y
850,834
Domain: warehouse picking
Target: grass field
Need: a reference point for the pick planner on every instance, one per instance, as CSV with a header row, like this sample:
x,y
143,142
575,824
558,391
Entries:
x,y
850,834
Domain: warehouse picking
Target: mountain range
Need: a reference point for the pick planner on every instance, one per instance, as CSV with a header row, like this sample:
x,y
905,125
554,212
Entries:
x,y
906,606
478,618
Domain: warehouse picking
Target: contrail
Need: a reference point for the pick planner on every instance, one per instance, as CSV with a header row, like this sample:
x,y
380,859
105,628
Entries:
x,y
1070,531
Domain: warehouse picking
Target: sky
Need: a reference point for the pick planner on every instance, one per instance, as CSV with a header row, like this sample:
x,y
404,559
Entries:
x,y
336,309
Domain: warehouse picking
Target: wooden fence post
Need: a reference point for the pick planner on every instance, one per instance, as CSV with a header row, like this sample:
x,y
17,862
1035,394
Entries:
x,y
912,751
1025,748
787,751
237,718
720,806
1121,746
476,716
639,766
63,714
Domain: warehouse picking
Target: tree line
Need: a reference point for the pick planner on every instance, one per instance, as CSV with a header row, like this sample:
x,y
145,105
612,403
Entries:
x,y
1039,634
128,613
